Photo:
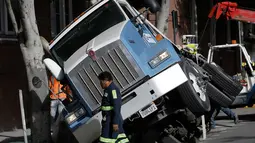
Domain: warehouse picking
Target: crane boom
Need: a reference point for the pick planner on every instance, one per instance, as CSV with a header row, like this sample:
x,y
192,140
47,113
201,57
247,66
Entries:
x,y
232,12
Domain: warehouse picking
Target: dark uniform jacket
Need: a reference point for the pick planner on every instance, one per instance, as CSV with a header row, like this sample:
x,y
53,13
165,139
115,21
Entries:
x,y
111,103
111,112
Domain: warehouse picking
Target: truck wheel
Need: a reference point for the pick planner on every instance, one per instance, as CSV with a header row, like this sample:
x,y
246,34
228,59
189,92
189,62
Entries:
x,y
223,81
217,96
192,92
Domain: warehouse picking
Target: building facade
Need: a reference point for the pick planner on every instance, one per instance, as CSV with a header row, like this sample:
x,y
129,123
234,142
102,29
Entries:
x,y
52,16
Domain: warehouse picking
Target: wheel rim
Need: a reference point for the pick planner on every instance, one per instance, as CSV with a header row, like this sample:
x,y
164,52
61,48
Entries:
x,y
198,90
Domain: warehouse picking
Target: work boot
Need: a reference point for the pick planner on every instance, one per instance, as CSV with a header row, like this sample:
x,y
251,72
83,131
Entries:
x,y
236,120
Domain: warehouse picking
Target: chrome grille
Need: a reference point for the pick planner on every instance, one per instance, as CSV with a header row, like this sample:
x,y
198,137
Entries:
x,y
113,58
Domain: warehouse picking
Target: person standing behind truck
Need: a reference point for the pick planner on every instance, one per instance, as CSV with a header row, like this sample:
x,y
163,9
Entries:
x,y
112,122
216,110
58,94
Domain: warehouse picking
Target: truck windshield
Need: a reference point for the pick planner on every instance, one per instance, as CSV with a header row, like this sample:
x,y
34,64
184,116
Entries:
x,y
97,22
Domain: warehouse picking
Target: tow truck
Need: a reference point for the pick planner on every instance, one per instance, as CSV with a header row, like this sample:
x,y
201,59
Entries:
x,y
233,12
155,78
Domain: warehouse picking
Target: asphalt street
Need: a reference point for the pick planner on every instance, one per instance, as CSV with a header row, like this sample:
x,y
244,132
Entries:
x,y
227,132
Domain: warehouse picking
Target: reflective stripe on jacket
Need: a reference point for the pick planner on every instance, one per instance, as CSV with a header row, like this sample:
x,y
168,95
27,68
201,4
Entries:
x,y
122,138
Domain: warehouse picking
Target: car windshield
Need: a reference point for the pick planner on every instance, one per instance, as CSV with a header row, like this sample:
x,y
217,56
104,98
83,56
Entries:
x,y
97,22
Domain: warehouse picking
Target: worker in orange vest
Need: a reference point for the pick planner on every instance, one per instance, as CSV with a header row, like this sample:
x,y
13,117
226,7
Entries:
x,y
57,95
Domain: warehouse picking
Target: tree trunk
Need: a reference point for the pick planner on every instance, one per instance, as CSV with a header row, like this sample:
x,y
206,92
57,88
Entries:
x,y
163,15
36,71
32,50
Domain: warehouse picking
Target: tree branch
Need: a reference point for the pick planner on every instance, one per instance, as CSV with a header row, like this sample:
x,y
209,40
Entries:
x,y
12,16
45,44
25,9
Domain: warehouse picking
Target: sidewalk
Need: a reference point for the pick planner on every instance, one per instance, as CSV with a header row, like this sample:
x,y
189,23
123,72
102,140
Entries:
x,y
15,136
227,132
241,111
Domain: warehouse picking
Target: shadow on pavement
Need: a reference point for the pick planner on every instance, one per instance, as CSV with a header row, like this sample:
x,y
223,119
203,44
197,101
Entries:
x,y
61,133
64,134
236,138
248,117
223,125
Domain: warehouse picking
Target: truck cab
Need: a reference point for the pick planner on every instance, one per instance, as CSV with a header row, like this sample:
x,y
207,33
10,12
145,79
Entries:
x,y
112,36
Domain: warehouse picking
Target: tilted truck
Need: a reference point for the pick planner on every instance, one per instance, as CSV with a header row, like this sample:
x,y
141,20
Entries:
x,y
146,66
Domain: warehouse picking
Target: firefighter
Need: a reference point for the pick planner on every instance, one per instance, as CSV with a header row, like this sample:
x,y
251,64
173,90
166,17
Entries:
x,y
112,122
192,48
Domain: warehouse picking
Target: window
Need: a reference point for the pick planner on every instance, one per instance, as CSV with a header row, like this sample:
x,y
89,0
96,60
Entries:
x,y
80,6
6,27
64,11
100,20
1,16
61,15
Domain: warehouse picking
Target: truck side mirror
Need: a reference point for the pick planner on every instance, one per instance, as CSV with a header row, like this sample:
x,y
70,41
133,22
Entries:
x,y
54,68
152,5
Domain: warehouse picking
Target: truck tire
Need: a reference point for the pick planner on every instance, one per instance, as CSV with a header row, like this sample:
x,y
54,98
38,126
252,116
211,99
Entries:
x,y
192,95
217,96
223,81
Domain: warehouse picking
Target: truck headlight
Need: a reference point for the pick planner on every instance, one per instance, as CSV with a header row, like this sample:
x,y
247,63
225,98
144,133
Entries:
x,y
71,118
80,112
75,115
158,59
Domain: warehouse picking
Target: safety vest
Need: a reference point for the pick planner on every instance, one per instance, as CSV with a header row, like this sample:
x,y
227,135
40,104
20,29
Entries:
x,y
55,87
192,48
245,64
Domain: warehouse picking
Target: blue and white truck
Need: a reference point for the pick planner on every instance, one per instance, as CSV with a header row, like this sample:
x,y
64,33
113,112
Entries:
x,y
146,66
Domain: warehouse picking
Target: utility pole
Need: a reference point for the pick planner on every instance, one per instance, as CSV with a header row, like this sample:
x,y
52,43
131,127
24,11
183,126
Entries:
x,y
175,23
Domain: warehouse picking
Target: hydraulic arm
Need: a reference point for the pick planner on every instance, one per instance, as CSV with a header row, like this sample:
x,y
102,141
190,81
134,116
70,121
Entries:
x,y
232,12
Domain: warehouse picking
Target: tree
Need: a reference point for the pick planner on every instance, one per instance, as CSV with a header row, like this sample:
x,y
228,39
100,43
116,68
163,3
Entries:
x,y
32,51
162,17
